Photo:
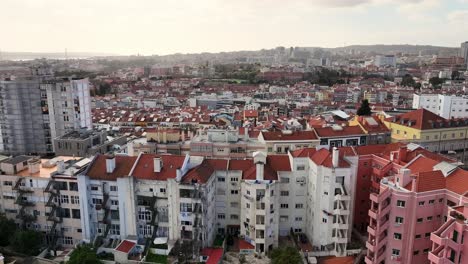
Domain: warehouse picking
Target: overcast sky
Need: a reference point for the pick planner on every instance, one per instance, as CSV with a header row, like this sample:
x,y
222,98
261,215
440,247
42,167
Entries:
x,y
170,26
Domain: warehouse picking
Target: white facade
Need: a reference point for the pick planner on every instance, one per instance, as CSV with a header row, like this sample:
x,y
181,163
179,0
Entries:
x,y
385,60
69,104
446,106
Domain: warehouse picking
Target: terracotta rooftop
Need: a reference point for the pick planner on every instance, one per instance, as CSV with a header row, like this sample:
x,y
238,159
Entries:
x,y
123,165
125,246
294,135
144,168
424,119
339,131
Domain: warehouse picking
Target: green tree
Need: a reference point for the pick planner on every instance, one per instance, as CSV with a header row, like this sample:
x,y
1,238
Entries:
x,y
27,242
288,255
455,75
7,229
365,109
436,82
84,254
408,81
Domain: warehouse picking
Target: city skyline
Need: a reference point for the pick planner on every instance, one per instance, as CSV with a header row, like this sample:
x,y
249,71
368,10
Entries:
x,y
212,26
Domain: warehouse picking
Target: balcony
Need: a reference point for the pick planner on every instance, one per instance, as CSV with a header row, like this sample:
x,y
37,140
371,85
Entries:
x,y
369,260
383,226
373,214
371,230
340,226
370,245
374,197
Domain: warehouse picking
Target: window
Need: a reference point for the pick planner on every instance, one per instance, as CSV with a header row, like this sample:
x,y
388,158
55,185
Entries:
x,y
325,193
401,203
441,200
284,193
420,220
431,201
399,220
247,205
284,180
416,252
8,183
284,218
427,234
234,191
301,167
421,203
113,188
298,219
96,201
76,213
186,207
397,236
234,204
426,250
67,240
234,217
64,199
324,220
429,218
144,215
395,252
75,199
284,206
221,216
114,202
234,179
73,186
221,179
417,236
299,206
162,190
94,188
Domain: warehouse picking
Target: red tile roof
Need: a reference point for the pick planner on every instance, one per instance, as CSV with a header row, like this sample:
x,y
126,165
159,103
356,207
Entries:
x,y
430,181
457,181
295,135
245,245
123,165
125,246
214,255
421,119
203,172
342,132
422,164
144,168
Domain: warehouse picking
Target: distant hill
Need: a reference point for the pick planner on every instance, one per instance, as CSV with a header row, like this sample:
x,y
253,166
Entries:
x,y
407,49
5,55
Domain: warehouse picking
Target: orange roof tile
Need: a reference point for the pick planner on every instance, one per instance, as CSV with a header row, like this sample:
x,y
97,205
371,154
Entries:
x,y
144,168
97,168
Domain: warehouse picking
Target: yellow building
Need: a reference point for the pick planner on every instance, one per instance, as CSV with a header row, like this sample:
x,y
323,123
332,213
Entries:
x,y
431,131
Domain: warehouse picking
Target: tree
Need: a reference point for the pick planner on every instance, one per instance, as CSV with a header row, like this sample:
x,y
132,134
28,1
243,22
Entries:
x,y
455,75
365,109
7,229
28,242
288,255
408,81
84,254
436,82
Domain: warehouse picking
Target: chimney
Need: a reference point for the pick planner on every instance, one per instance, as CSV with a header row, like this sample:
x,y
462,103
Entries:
x,y
259,160
402,153
34,165
157,164
60,166
110,164
335,157
246,133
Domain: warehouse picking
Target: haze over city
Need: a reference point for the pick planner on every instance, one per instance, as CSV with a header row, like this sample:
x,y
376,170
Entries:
x,y
163,27
234,131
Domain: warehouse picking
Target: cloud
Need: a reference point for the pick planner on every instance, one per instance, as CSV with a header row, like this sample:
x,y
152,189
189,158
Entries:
x,y
341,3
459,17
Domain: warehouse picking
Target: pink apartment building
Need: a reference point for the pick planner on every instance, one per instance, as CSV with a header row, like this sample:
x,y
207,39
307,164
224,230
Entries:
x,y
418,215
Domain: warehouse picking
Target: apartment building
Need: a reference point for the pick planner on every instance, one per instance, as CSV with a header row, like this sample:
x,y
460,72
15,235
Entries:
x,y
446,106
192,198
221,143
339,136
411,211
280,142
374,128
86,143
69,105
43,195
435,133
35,111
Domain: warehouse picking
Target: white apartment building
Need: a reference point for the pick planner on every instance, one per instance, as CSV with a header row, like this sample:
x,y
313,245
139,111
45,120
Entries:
x,y
385,60
446,106
43,195
69,105
188,198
